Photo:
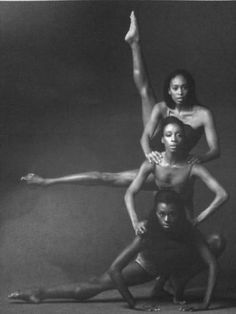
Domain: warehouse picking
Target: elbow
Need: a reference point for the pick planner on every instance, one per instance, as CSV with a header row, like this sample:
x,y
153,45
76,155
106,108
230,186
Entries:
x,y
127,199
224,196
215,152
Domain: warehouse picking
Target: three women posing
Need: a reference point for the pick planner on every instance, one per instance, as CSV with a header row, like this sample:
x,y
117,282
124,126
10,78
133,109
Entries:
x,y
182,122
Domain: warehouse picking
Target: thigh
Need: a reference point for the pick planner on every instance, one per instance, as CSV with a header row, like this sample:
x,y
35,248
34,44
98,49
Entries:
x,y
133,274
125,178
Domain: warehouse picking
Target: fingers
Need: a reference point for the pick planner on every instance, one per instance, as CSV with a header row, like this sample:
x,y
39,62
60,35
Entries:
x,y
154,157
186,308
194,160
140,231
151,308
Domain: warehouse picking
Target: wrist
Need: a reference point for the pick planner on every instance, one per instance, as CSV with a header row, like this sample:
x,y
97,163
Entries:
x,y
134,224
147,153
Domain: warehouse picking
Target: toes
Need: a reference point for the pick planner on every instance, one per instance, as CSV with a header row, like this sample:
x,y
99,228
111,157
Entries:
x,y
14,295
27,297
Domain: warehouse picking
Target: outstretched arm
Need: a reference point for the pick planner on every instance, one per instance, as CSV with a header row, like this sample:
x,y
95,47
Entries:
x,y
121,261
220,194
134,188
140,72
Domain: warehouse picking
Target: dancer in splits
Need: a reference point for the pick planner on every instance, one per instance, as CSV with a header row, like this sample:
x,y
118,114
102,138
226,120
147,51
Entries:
x,y
170,247
179,100
172,172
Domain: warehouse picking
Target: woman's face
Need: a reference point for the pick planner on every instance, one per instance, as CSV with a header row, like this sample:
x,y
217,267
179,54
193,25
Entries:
x,y
178,89
167,215
173,137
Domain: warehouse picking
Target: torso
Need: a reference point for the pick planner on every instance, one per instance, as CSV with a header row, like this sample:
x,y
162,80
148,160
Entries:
x,y
162,248
177,178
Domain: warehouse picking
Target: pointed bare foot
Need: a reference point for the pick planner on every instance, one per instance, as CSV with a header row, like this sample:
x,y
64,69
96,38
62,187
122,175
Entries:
x,y
133,32
32,178
31,296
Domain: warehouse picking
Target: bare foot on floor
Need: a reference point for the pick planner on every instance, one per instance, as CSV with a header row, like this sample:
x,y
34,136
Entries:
x,y
32,178
31,296
133,33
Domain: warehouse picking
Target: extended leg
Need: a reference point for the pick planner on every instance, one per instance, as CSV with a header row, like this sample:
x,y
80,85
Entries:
x,y
133,274
140,73
113,179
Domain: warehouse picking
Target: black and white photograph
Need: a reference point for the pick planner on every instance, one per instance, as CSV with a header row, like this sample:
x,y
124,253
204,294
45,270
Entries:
x,y
117,125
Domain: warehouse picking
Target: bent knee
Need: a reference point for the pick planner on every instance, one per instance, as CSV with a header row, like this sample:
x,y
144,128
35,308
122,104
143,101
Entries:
x,y
217,243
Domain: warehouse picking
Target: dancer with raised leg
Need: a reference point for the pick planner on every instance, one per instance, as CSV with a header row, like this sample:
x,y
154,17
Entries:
x,y
180,101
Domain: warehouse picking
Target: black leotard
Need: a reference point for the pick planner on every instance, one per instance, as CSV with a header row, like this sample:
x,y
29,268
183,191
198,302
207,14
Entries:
x,y
166,252
192,136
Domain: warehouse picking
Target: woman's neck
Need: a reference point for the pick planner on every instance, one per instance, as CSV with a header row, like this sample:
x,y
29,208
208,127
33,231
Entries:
x,y
174,158
182,107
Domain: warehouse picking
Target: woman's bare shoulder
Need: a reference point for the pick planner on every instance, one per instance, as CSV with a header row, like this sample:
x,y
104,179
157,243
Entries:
x,y
160,108
197,169
202,110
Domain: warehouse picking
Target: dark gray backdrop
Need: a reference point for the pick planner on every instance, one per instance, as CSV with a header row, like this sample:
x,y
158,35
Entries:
x,y
68,104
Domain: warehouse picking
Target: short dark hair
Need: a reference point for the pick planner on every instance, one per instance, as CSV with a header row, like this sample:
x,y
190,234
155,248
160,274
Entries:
x,y
167,197
172,120
191,98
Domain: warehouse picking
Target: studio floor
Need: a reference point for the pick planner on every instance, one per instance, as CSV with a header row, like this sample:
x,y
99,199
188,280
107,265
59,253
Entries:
x,y
110,302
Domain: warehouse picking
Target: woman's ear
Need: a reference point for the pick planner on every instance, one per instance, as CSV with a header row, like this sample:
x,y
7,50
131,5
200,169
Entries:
x,y
162,140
